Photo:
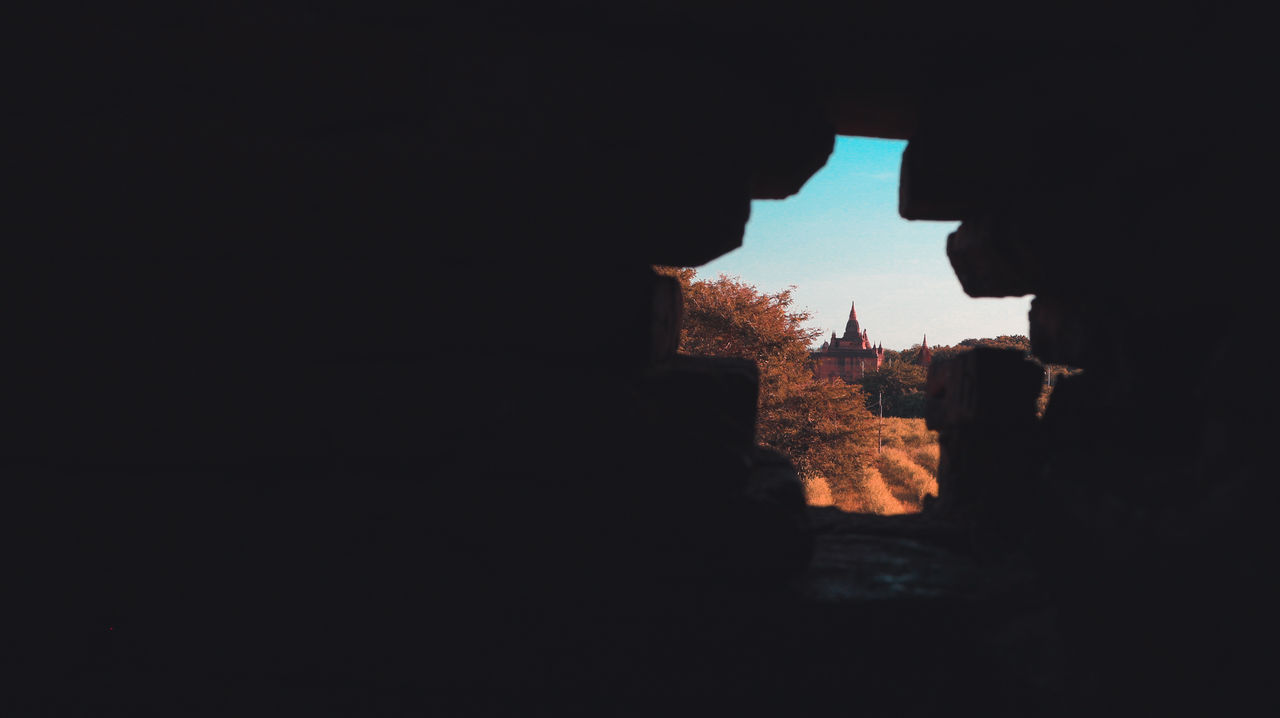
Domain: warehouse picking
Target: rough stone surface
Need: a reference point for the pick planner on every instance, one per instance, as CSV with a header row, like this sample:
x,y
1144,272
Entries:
x,y
338,380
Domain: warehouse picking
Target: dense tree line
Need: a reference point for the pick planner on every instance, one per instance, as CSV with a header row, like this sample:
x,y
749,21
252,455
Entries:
x,y
823,426
897,387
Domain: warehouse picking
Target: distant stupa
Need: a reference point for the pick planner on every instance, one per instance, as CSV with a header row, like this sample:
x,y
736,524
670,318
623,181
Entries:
x,y
926,354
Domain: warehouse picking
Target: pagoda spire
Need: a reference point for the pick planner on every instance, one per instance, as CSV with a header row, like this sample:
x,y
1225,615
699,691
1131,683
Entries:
x,y
926,356
852,331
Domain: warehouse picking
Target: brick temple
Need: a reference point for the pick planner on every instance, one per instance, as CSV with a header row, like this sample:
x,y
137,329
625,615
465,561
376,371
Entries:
x,y
852,355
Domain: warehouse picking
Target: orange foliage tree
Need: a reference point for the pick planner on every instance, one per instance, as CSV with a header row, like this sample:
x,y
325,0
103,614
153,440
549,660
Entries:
x,y
823,426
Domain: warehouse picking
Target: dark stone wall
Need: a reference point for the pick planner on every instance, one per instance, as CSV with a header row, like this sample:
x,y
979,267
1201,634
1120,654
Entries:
x,y
256,430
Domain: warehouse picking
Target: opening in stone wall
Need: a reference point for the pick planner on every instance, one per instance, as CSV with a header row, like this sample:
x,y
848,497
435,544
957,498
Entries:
x,y
843,304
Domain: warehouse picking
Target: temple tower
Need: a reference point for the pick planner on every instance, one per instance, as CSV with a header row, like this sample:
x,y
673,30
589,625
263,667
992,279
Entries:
x,y
850,356
926,354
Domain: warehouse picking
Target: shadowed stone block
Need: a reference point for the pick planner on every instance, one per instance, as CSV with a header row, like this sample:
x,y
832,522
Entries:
x,y
798,145
982,404
705,401
984,265
1064,331
668,305
983,386
967,152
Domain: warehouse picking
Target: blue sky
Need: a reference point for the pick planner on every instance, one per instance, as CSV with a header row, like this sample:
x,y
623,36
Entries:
x,y
840,240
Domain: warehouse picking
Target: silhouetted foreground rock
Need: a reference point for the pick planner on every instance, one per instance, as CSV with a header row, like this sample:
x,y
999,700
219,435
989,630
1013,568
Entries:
x,y
337,379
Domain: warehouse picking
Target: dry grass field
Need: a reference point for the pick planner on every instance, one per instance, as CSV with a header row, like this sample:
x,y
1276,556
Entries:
x,y
904,472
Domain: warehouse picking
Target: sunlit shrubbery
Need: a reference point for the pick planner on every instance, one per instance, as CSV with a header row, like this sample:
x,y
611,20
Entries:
x,y
906,433
926,456
868,493
903,473
875,496
821,425
909,481
816,491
